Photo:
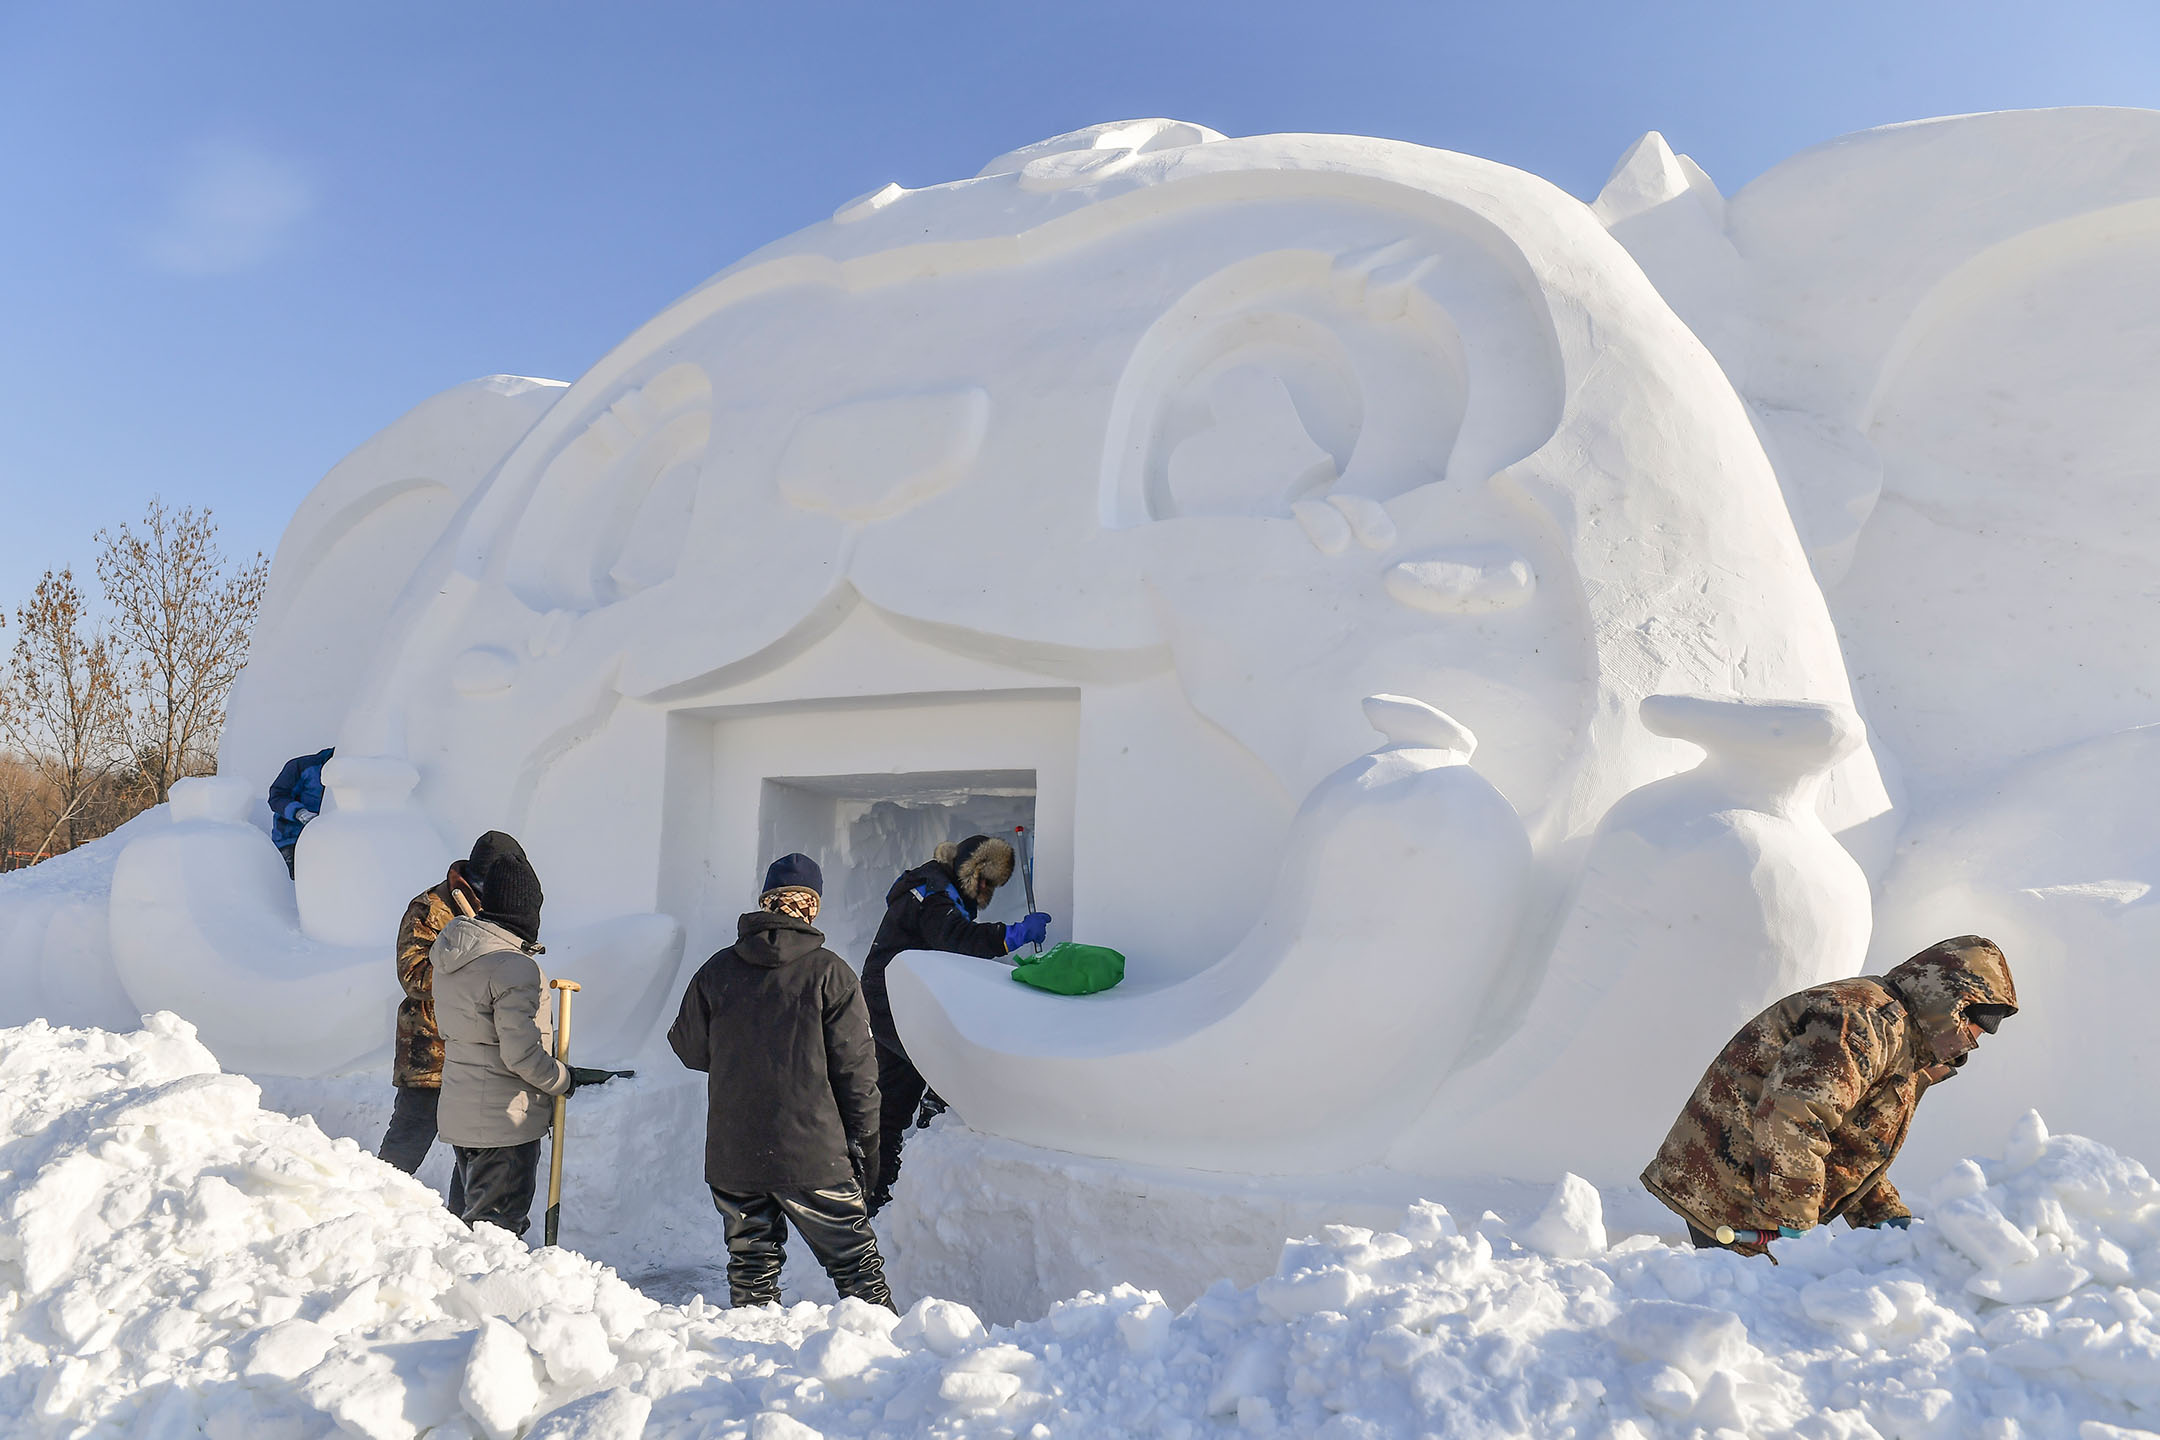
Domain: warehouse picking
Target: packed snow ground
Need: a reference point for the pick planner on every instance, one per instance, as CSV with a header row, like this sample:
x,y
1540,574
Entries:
x,y
178,1260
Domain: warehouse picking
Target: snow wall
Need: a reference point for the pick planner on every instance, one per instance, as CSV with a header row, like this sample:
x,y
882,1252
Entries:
x,y
1470,649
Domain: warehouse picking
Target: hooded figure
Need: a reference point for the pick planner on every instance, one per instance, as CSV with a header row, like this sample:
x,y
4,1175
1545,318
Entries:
x,y
1797,1120
776,1022
417,1070
296,797
499,1077
932,907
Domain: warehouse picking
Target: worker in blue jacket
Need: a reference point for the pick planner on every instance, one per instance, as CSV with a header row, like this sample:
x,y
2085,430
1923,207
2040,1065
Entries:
x,y
295,798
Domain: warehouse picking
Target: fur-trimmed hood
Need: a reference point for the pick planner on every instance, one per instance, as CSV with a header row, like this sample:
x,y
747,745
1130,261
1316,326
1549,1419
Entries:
x,y
980,861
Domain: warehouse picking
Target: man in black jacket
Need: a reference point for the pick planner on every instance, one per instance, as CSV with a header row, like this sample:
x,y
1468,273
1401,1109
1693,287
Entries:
x,y
776,1022
932,907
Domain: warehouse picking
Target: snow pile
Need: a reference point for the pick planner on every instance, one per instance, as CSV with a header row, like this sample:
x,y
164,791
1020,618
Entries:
x,y
176,1260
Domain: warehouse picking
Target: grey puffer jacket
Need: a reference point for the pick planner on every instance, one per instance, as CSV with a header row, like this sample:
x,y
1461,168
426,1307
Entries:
x,y
500,1077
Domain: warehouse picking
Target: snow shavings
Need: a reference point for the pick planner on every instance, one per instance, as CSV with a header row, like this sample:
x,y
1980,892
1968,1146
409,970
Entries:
x,y
174,1260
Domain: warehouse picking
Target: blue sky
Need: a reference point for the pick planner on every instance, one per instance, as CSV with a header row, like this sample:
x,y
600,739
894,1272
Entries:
x,y
238,238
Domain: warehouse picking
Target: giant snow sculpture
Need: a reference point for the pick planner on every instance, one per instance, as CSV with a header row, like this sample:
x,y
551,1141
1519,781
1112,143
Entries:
x,y
1392,592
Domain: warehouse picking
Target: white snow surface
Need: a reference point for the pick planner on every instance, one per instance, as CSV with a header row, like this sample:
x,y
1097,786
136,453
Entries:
x,y
180,1261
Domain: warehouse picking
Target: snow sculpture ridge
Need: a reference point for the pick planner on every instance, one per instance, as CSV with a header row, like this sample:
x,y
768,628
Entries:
x,y
1118,139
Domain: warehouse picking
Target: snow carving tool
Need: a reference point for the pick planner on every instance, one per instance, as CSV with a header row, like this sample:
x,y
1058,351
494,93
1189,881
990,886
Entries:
x,y
1726,1235
1027,872
552,1226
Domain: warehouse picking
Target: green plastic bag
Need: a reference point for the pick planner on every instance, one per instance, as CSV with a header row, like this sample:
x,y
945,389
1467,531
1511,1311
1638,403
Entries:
x,y
1070,969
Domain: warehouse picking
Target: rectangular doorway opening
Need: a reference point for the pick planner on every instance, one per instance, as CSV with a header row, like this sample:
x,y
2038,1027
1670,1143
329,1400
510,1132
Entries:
x,y
866,830
869,787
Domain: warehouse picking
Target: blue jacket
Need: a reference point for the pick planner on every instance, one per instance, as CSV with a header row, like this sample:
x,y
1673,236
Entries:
x,y
298,787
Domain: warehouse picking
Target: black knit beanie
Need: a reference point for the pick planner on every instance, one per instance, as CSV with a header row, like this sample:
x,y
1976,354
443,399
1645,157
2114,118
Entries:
x,y
794,872
489,848
510,896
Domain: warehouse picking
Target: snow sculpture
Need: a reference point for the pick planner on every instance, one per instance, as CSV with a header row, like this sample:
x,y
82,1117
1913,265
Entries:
x,y
832,552
367,854
1225,1065
1705,898
1947,332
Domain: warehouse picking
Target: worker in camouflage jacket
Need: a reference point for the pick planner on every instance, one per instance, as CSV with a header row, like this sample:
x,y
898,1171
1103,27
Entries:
x,y
1797,1120
417,1068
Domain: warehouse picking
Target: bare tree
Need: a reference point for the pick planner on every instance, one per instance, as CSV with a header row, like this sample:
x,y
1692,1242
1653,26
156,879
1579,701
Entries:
x,y
182,623
19,806
60,705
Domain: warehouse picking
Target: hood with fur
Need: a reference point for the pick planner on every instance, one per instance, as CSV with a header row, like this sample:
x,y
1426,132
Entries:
x,y
980,864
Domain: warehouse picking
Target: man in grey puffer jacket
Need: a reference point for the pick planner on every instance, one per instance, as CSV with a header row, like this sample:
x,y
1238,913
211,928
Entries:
x,y
500,1077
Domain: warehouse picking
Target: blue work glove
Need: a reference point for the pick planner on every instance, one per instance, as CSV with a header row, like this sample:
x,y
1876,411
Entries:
x,y
1896,1222
1029,931
1787,1232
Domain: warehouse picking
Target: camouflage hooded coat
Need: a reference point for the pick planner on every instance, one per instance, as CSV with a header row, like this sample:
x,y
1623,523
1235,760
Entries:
x,y
1797,1120
419,1044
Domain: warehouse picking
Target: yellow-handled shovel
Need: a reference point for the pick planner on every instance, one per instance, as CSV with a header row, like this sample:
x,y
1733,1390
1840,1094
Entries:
x,y
553,1224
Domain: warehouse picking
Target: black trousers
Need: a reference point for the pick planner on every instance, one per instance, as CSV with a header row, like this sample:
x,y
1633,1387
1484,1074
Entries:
x,y
834,1223
900,1090
412,1131
498,1184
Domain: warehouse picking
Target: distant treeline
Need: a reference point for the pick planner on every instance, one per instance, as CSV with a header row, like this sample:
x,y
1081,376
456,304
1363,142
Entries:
x,y
99,716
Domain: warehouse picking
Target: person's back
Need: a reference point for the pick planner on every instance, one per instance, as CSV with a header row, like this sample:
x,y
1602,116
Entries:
x,y
296,797
496,1027
416,1070
777,1022
499,1081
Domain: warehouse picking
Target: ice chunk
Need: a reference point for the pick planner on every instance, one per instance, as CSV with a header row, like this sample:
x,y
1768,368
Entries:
x,y
942,1325
779,1425
2050,1277
572,1343
2027,1143
1848,1301
616,1414
1975,1226
1572,1225
287,1350
1694,1339
501,1388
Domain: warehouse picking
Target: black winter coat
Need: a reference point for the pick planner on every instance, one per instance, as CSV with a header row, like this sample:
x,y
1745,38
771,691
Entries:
x,y
776,1022
923,911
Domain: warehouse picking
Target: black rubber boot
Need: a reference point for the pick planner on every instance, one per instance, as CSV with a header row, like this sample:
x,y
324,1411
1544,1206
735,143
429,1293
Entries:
x,y
835,1224
900,1089
756,1243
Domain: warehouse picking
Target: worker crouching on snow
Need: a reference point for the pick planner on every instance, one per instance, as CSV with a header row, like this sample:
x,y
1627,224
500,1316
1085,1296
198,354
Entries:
x,y
932,907
499,1079
1797,1120
776,1022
